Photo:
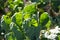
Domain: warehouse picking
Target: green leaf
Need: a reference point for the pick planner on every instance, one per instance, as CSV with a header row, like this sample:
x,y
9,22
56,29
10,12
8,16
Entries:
x,y
17,18
31,8
18,2
58,37
44,18
48,24
11,6
10,1
17,31
26,16
7,19
34,22
11,36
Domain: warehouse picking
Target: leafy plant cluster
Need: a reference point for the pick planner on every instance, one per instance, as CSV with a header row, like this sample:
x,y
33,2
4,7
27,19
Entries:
x,y
24,21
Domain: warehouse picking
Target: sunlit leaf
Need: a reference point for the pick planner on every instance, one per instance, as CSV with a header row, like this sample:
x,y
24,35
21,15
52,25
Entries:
x,y
34,22
17,18
44,18
7,19
30,8
26,16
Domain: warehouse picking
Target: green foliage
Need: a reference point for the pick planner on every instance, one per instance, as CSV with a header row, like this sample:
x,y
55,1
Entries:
x,y
19,25
25,23
15,5
18,18
34,22
30,8
44,18
7,20
48,24
26,16
59,37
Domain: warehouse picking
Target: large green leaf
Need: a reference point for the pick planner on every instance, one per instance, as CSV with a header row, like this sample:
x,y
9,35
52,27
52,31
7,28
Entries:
x,y
31,8
17,18
44,18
